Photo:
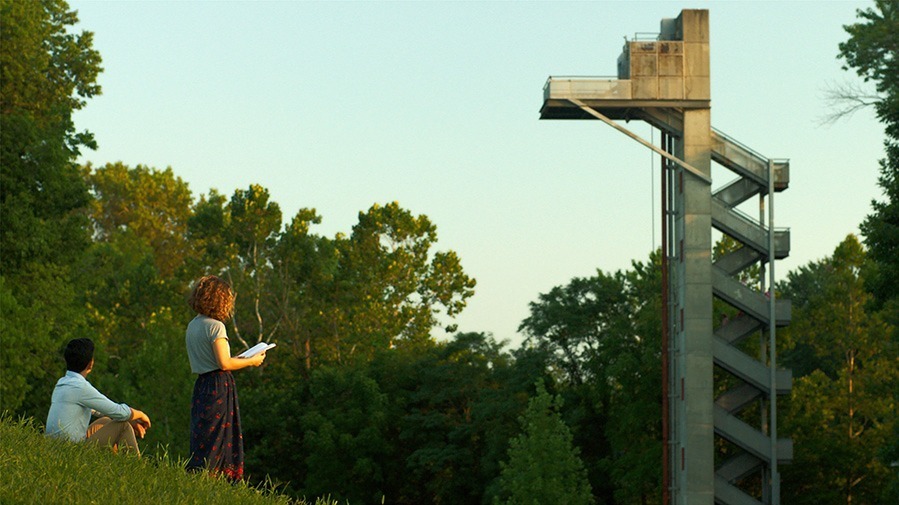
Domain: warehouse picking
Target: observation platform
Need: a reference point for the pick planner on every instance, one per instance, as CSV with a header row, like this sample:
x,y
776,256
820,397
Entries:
x,y
614,98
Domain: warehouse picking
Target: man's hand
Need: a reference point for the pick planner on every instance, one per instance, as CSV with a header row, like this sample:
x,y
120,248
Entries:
x,y
140,422
139,429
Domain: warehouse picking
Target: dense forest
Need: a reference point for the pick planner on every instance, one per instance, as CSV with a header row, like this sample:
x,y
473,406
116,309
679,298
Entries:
x,y
363,403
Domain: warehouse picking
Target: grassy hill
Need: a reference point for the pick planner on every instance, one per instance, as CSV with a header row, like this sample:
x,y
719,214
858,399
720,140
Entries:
x,y
35,469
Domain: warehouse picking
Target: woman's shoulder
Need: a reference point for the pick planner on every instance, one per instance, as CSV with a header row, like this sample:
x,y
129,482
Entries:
x,y
205,322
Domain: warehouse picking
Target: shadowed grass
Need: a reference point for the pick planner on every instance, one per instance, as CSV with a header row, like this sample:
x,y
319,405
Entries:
x,y
37,469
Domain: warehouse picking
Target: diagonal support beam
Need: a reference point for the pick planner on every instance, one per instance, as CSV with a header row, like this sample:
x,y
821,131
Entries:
x,y
686,166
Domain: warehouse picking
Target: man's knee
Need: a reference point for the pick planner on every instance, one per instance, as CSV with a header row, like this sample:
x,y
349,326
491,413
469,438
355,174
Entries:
x,y
116,434
97,426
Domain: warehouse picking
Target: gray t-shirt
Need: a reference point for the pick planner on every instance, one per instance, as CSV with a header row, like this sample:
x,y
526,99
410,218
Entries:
x,y
201,333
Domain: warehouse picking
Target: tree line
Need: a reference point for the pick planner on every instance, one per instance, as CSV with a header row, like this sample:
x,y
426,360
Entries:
x,y
363,402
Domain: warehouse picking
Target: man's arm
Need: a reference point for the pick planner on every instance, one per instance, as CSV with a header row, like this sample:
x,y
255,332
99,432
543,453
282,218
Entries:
x,y
95,400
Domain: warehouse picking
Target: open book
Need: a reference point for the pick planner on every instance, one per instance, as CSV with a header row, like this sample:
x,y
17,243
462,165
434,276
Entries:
x,y
256,349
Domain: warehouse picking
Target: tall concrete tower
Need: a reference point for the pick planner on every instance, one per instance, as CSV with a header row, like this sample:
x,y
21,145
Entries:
x,y
721,442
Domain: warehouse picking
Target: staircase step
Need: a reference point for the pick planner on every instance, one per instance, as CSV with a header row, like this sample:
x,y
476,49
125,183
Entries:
x,y
751,302
748,163
738,398
750,439
738,467
738,191
737,328
750,370
747,231
735,262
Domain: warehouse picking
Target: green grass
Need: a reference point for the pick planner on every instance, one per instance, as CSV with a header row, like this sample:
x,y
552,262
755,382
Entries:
x,y
37,469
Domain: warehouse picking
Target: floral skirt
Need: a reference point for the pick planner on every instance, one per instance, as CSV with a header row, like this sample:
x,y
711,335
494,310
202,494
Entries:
x,y
216,442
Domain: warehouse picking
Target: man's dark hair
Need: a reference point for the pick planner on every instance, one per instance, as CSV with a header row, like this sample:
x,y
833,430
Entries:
x,y
79,353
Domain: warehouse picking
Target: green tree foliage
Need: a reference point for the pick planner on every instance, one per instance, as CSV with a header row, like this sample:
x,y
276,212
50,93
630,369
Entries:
x,y
434,421
135,268
603,334
253,229
872,50
634,426
571,321
343,310
544,466
304,288
47,73
454,407
30,352
145,204
119,286
844,402
394,286
889,454
331,300
153,378
457,417
346,298
881,232
205,230
139,217
345,422
133,280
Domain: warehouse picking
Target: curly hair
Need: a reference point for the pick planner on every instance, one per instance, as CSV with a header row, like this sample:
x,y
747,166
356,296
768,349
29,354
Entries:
x,y
212,297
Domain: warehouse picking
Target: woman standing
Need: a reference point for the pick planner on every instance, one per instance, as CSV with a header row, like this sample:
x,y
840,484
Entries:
x,y
216,441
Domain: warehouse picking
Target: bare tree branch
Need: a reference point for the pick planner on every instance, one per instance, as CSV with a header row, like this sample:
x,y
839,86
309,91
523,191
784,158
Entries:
x,y
845,99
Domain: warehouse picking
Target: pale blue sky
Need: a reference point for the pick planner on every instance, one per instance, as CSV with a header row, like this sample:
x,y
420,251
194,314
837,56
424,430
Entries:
x,y
435,105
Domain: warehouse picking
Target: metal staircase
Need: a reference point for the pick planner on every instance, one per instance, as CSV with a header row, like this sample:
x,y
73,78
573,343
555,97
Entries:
x,y
743,228
753,448
719,436
748,163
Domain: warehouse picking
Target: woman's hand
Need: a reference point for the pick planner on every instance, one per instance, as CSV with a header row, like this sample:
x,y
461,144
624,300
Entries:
x,y
227,362
258,359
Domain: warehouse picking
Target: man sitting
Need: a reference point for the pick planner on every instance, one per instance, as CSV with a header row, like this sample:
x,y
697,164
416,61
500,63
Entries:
x,y
74,399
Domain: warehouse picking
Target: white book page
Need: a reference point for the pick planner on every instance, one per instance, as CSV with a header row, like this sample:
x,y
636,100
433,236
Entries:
x,y
256,349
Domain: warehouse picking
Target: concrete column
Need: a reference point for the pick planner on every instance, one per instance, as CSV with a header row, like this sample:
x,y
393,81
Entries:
x,y
695,468
695,285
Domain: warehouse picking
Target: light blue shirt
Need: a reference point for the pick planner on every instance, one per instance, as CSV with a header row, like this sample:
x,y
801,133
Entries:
x,y
70,409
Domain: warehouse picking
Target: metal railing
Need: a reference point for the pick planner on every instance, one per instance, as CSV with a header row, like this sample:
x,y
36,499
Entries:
x,y
739,144
638,36
754,220
577,78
